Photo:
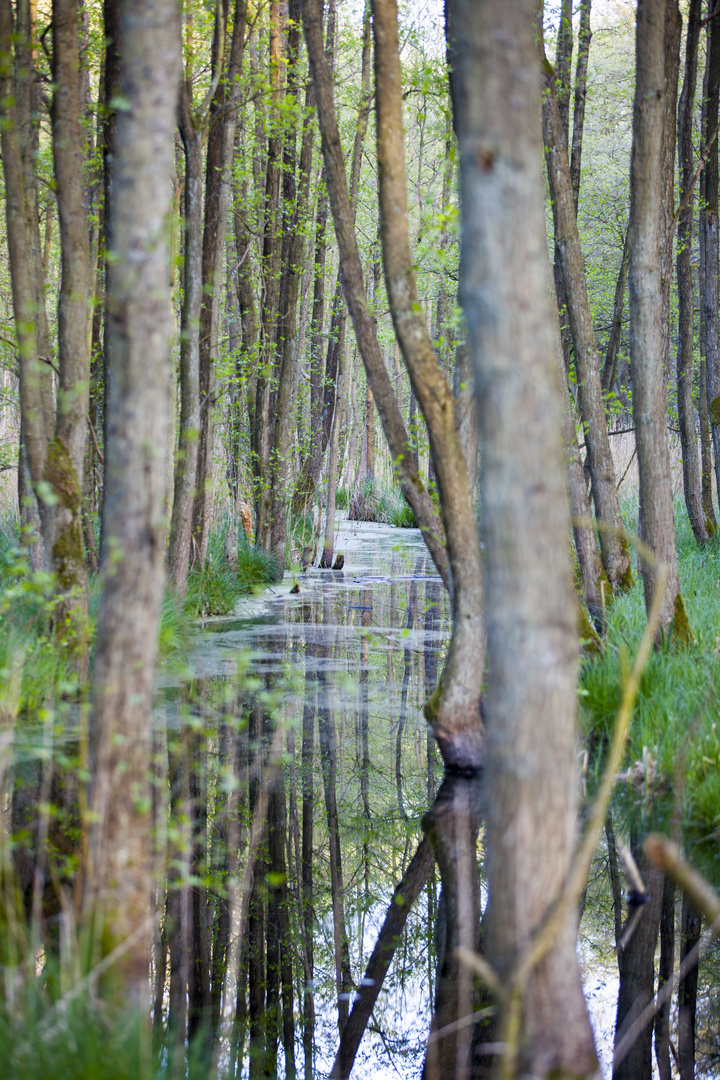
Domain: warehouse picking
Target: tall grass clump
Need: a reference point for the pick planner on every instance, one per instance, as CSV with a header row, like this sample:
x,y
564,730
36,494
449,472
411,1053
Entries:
x,y
377,502
215,588
676,714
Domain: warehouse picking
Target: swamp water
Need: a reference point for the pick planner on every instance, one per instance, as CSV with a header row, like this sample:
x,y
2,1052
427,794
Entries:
x,y
335,676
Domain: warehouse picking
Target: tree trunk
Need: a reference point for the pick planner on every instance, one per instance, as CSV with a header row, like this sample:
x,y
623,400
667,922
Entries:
x,y
65,460
332,478
687,992
712,332
179,552
584,38
702,528
455,711
118,873
613,546
414,881
530,705
610,366
636,963
665,972
221,144
657,527
34,431
272,247
328,758
295,202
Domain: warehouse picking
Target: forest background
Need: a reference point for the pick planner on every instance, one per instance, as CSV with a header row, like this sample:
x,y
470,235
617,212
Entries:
x,y
272,412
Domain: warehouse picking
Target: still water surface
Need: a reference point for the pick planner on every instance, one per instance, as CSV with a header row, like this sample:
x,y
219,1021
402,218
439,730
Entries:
x,y
366,644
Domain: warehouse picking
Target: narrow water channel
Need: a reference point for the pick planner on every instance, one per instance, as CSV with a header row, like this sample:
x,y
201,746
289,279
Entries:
x,y
338,670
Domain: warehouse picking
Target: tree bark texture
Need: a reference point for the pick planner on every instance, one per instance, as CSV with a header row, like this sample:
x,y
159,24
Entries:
x,y
580,97
65,459
636,963
118,878
657,527
614,550
530,613
35,435
701,526
712,330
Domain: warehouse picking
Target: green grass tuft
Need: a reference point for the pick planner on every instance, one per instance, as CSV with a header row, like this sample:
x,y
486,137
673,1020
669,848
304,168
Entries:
x,y
376,502
215,589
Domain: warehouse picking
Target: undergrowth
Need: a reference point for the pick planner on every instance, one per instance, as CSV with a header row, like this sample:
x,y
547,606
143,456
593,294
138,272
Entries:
x,y
676,713
215,588
373,501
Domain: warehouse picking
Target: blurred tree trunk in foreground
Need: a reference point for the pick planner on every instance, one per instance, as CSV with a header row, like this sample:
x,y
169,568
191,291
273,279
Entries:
x,y
118,872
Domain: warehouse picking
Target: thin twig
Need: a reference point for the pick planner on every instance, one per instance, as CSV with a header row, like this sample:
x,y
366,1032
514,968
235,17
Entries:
x,y
93,435
627,470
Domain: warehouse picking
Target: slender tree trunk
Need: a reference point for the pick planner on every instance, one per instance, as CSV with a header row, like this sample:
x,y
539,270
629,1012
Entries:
x,y
272,247
687,992
692,486
530,707
118,872
586,546
179,554
308,817
706,468
66,454
610,366
295,202
584,39
657,527
221,143
637,975
341,377
35,432
455,710
311,465
563,63
665,971
710,239
614,550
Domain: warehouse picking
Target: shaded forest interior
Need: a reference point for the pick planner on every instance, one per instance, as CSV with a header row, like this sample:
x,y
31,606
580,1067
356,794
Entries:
x,y
359,460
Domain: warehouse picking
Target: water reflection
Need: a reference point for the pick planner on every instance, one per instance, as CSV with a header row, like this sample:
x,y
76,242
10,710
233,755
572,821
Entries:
x,y
299,767
339,671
